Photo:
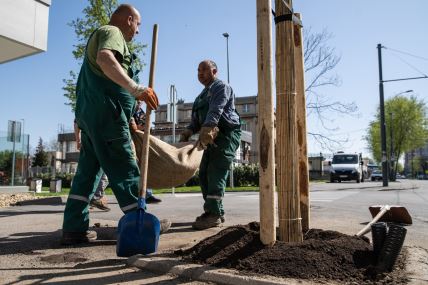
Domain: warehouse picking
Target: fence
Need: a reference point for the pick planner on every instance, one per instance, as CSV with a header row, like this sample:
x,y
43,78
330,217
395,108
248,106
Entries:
x,y
22,160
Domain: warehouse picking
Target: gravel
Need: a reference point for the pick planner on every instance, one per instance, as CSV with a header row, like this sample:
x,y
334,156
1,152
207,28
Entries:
x,y
7,200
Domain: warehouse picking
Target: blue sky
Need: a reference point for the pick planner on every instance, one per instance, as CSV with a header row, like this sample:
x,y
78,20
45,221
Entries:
x,y
191,30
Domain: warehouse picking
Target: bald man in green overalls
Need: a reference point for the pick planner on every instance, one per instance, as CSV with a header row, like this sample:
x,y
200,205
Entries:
x,y
215,118
106,97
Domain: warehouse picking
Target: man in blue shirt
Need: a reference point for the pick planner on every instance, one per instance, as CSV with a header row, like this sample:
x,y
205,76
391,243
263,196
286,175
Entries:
x,y
215,118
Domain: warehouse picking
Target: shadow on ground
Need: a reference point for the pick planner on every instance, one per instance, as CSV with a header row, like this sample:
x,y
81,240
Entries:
x,y
110,271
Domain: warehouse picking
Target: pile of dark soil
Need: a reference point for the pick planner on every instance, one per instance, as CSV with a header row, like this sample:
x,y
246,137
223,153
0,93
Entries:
x,y
322,256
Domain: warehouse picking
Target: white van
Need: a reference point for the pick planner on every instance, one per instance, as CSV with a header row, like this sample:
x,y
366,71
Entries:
x,y
346,167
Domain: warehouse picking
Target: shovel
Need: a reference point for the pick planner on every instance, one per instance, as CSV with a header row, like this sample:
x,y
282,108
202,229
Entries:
x,y
138,231
387,213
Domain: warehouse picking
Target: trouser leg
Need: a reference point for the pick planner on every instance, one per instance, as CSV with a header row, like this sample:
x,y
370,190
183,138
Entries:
x,y
219,160
117,161
76,213
217,177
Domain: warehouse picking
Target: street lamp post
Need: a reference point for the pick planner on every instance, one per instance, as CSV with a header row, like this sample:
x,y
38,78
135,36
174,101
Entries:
x,y
226,35
391,149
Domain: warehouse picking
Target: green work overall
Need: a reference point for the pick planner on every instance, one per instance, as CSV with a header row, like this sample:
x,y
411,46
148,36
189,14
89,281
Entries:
x,y
103,111
216,160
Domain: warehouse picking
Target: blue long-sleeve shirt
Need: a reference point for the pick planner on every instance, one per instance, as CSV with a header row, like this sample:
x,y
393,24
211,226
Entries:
x,y
221,106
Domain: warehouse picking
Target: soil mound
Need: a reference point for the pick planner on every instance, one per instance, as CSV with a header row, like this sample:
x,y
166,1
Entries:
x,y
322,256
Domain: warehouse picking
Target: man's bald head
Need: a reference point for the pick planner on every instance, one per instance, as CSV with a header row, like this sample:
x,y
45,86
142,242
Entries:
x,y
127,18
207,72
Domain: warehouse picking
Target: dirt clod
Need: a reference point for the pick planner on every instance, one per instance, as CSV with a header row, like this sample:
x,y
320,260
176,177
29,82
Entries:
x,y
322,256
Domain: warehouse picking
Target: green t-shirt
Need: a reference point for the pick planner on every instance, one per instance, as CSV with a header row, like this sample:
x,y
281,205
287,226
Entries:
x,y
108,37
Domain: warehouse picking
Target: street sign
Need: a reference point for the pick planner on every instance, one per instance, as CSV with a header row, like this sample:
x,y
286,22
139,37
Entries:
x,y
14,131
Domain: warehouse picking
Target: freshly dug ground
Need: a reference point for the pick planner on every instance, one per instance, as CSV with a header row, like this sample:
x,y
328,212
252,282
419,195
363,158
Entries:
x,y
322,256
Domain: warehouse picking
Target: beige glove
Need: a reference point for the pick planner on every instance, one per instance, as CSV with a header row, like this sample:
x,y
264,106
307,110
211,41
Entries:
x,y
185,136
207,136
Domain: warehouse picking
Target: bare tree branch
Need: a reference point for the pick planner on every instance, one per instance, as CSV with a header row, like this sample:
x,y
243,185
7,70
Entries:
x,y
320,61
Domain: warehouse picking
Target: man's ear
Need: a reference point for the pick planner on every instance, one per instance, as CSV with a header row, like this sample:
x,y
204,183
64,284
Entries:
x,y
214,71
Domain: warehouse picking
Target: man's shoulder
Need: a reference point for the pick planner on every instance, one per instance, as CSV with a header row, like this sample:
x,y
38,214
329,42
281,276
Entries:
x,y
110,31
218,85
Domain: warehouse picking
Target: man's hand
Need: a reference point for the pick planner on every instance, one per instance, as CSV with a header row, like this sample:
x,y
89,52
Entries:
x,y
132,125
185,136
147,95
207,135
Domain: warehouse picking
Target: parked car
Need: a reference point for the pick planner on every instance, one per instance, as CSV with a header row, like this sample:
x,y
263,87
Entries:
x,y
401,176
376,175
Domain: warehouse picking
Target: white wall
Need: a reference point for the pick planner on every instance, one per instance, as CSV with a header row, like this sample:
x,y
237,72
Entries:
x,y
23,28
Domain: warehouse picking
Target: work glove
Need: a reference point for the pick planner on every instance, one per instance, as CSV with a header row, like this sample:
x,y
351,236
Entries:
x,y
145,94
207,136
185,136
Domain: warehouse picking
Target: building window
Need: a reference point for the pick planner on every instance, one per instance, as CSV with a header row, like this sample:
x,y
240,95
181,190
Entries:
x,y
188,113
71,146
245,108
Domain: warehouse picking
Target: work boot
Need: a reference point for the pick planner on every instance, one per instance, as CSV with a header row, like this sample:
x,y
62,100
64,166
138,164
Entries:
x,y
165,224
207,220
71,238
100,204
222,218
152,200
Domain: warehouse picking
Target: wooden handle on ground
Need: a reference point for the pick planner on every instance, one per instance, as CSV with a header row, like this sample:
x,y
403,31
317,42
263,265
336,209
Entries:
x,y
367,228
145,151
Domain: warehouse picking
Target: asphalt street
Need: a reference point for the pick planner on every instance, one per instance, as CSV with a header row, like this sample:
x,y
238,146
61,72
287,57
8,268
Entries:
x,y
29,235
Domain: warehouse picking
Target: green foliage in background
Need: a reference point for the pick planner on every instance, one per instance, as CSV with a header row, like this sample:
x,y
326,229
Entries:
x,y
408,125
95,15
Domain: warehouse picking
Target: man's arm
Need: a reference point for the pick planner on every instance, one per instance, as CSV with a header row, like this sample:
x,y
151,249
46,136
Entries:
x,y
114,71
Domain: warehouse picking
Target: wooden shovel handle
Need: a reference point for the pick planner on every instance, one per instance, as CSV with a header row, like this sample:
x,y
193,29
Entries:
x,y
145,151
367,228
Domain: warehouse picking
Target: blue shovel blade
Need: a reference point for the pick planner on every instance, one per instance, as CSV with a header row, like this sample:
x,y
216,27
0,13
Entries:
x,y
137,233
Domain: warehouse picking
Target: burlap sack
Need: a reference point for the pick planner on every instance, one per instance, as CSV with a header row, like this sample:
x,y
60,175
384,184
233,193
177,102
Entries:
x,y
169,165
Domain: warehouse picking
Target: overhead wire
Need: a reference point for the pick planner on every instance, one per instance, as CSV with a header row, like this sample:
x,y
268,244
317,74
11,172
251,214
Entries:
x,y
404,61
406,53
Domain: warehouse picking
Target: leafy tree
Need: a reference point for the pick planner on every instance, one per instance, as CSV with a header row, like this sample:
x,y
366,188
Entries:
x,y
41,156
409,127
6,161
95,15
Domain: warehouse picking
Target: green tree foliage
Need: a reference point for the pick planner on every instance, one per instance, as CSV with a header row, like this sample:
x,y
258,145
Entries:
x,y
41,156
6,161
408,123
96,14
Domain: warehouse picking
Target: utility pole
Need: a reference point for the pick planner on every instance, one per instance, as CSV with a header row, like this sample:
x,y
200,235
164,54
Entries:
x,y
385,168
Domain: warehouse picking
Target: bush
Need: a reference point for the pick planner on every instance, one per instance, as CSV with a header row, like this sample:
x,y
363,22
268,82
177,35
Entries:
x,y
243,175
66,179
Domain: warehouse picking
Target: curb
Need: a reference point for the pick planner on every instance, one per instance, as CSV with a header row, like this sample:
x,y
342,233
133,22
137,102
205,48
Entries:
x,y
204,273
417,266
55,200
